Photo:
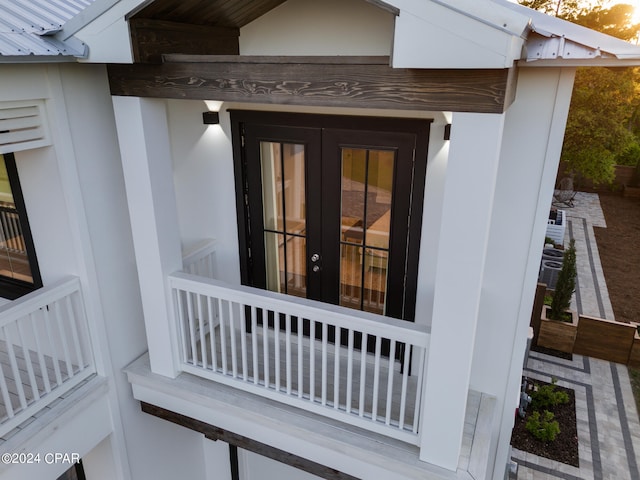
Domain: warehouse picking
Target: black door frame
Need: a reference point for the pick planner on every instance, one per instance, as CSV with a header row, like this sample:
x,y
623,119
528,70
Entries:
x,y
417,127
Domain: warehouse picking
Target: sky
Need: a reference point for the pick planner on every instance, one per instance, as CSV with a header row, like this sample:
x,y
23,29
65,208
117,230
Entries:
x,y
636,5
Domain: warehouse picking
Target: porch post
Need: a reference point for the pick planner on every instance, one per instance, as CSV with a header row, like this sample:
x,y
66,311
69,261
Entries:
x,y
467,201
146,161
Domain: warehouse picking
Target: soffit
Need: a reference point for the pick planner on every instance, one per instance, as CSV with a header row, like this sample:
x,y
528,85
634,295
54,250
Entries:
x,y
218,13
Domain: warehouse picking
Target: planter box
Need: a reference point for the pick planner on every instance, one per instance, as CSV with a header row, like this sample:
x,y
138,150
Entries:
x,y
632,192
605,339
634,356
558,335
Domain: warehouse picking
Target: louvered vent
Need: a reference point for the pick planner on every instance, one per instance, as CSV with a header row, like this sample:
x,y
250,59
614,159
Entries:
x,y
22,126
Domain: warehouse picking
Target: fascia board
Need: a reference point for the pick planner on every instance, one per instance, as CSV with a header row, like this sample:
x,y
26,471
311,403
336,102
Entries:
x,y
440,37
610,62
108,34
483,11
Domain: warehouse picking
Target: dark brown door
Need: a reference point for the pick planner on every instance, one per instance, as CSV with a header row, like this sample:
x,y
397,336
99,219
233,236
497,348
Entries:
x,y
330,207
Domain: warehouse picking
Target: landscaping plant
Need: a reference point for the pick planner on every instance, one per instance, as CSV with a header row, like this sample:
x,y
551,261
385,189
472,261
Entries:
x,y
543,426
547,396
566,284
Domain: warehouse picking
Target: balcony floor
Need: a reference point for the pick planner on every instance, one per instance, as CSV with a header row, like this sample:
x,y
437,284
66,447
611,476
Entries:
x,y
337,393
39,372
320,439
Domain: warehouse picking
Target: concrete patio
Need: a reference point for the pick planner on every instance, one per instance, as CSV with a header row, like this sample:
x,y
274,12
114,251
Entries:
x,y
608,426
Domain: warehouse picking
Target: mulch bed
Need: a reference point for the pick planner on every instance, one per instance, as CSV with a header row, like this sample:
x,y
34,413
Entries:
x,y
564,448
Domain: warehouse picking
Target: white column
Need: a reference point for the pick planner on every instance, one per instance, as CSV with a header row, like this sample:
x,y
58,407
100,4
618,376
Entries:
x,y
467,202
146,160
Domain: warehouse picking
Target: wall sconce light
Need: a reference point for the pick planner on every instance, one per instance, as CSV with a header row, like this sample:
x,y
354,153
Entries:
x,y
447,131
210,118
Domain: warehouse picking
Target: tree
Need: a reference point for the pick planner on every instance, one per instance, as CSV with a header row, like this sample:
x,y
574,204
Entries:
x,y
566,284
604,111
559,8
597,127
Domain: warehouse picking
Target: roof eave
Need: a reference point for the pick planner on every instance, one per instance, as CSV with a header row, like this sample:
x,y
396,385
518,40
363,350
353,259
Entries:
x,y
580,62
38,59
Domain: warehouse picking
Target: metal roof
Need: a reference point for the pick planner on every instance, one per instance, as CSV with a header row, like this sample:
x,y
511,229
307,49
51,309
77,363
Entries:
x,y
27,29
555,42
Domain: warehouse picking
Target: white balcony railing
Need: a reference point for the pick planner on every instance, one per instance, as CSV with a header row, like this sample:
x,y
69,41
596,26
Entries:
x,y
303,353
200,259
44,350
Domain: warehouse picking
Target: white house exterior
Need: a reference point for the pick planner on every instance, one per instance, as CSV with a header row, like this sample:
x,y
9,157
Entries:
x,y
126,189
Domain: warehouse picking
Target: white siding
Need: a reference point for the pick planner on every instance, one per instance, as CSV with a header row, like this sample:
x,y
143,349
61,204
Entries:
x,y
308,27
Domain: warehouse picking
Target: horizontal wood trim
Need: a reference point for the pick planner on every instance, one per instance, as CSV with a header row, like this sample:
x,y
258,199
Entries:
x,y
312,84
151,39
270,59
215,433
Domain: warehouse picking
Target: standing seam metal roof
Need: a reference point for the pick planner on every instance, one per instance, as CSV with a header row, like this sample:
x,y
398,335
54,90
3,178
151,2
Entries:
x,y
27,27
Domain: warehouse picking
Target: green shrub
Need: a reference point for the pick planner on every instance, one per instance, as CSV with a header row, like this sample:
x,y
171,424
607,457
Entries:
x,y
629,156
546,396
543,426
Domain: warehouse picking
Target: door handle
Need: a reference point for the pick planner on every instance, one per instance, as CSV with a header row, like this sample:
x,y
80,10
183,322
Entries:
x,y
315,257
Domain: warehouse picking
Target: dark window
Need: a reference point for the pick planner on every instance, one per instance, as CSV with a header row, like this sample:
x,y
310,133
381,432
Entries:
x,y
19,273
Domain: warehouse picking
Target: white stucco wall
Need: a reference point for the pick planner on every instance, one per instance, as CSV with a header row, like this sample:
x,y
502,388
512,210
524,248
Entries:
x,y
308,27
204,183
256,467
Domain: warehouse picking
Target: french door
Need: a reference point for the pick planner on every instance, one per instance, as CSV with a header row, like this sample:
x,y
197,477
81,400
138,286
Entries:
x,y
329,208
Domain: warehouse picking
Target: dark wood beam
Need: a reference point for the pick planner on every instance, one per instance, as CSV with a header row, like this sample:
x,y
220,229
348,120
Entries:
x,y
360,83
215,433
277,59
152,38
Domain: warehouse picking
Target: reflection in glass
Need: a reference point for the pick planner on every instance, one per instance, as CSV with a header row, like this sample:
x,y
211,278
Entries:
x,y
14,262
284,216
366,195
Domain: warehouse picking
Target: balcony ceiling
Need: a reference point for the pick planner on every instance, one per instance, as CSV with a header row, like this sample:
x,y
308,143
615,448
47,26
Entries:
x,y
217,13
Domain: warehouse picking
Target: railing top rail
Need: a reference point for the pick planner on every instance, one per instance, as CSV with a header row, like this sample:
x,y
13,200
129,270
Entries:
x,y
32,301
198,251
340,316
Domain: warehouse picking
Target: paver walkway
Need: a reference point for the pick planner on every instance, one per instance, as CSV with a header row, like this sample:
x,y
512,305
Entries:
x,y
608,426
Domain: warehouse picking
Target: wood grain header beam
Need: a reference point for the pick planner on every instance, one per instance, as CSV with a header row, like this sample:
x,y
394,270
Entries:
x,y
152,38
359,84
215,433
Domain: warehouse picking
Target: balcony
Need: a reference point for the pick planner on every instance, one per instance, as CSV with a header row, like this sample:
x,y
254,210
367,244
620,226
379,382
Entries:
x,y
45,352
326,384
304,355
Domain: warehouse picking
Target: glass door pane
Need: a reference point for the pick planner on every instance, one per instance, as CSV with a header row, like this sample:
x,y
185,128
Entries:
x,y
284,217
366,195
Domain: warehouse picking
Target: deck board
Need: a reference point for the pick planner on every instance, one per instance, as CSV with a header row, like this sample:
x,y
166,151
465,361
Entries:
x,y
24,377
